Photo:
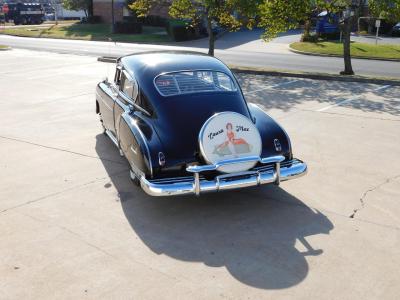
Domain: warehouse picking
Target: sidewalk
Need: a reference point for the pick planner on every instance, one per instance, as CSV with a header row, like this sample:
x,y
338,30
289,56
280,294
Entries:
x,y
248,41
370,39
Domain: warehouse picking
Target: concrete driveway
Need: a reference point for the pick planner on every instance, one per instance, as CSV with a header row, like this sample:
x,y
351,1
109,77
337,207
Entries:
x,y
73,226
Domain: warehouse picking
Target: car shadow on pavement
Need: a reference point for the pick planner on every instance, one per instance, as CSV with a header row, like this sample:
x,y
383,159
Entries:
x,y
259,234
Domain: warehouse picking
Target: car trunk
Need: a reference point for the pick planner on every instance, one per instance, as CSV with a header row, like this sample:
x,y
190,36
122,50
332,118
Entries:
x,y
182,118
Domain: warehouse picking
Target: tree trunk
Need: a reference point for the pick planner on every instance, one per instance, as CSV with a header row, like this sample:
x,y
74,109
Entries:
x,y
211,38
306,34
348,69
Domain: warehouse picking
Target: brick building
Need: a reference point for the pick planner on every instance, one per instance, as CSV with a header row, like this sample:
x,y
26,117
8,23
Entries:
x,y
102,8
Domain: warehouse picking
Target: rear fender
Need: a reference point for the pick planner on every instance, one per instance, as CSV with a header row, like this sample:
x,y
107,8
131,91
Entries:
x,y
270,130
139,143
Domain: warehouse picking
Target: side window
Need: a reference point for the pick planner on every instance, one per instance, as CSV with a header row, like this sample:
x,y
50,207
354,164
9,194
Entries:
x,y
129,86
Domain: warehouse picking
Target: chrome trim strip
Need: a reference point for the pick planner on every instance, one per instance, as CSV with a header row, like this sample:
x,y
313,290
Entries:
x,y
223,182
112,138
278,173
133,150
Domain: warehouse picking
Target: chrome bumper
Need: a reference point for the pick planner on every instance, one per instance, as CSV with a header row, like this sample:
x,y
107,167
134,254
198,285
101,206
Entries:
x,y
273,170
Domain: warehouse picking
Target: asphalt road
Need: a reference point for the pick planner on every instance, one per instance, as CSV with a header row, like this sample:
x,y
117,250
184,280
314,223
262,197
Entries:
x,y
73,225
278,58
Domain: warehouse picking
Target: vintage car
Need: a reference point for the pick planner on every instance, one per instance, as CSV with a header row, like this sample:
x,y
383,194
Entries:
x,y
184,126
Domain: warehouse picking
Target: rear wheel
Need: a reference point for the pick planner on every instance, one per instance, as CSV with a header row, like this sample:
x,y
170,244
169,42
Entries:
x,y
134,178
102,123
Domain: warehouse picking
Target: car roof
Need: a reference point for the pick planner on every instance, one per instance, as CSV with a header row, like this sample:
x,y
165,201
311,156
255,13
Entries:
x,y
145,66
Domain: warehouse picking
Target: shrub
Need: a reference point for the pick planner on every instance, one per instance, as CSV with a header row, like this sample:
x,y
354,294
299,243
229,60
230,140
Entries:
x,y
312,38
156,21
330,36
128,27
130,19
93,19
181,33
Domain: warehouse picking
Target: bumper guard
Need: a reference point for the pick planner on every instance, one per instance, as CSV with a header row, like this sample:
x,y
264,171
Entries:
x,y
272,170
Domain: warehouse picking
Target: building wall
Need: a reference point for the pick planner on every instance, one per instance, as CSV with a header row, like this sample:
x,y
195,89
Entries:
x,y
102,8
160,10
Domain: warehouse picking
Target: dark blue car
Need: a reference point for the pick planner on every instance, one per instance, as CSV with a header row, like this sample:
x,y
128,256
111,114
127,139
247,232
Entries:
x,y
184,126
327,23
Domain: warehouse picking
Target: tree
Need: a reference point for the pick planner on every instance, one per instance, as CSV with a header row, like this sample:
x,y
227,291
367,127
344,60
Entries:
x,y
349,9
280,15
231,14
77,5
385,9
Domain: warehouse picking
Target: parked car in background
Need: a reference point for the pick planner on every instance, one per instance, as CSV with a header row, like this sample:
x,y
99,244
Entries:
x,y
327,24
184,126
24,13
396,30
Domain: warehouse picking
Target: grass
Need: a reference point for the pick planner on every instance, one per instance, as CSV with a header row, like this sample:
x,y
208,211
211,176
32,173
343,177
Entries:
x,y
93,32
357,49
3,47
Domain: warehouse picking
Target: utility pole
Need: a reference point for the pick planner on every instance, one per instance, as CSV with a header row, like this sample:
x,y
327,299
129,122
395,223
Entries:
x,y
55,6
112,17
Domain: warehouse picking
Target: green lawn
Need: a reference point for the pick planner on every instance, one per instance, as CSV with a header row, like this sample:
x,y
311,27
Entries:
x,y
357,49
96,32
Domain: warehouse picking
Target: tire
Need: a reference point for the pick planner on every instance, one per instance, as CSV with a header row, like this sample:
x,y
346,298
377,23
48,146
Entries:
x,y
134,178
102,124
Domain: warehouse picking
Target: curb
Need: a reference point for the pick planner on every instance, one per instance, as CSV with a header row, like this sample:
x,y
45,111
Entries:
x,y
107,59
5,49
316,76
334,55
309,75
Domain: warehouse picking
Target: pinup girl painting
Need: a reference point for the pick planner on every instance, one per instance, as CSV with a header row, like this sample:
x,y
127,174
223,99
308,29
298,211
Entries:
x,y
232,145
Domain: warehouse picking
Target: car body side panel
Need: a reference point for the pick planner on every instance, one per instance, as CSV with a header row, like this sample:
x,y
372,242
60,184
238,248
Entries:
x,y
105,99
132,146
129,138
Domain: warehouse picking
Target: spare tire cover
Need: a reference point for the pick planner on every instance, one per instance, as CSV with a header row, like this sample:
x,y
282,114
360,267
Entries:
x,y
229,135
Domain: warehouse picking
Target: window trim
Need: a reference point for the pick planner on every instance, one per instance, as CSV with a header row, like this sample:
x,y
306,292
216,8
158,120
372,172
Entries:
x,y
117,76
132,80
128,98
194,70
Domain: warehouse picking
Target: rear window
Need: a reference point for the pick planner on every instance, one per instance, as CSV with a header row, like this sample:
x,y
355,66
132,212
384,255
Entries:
x,y
187,82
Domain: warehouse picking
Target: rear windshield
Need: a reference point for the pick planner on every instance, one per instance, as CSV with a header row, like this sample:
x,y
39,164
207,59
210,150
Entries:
x,y
187,82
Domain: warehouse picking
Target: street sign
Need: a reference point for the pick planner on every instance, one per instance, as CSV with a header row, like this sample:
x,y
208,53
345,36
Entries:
x,y
377,25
